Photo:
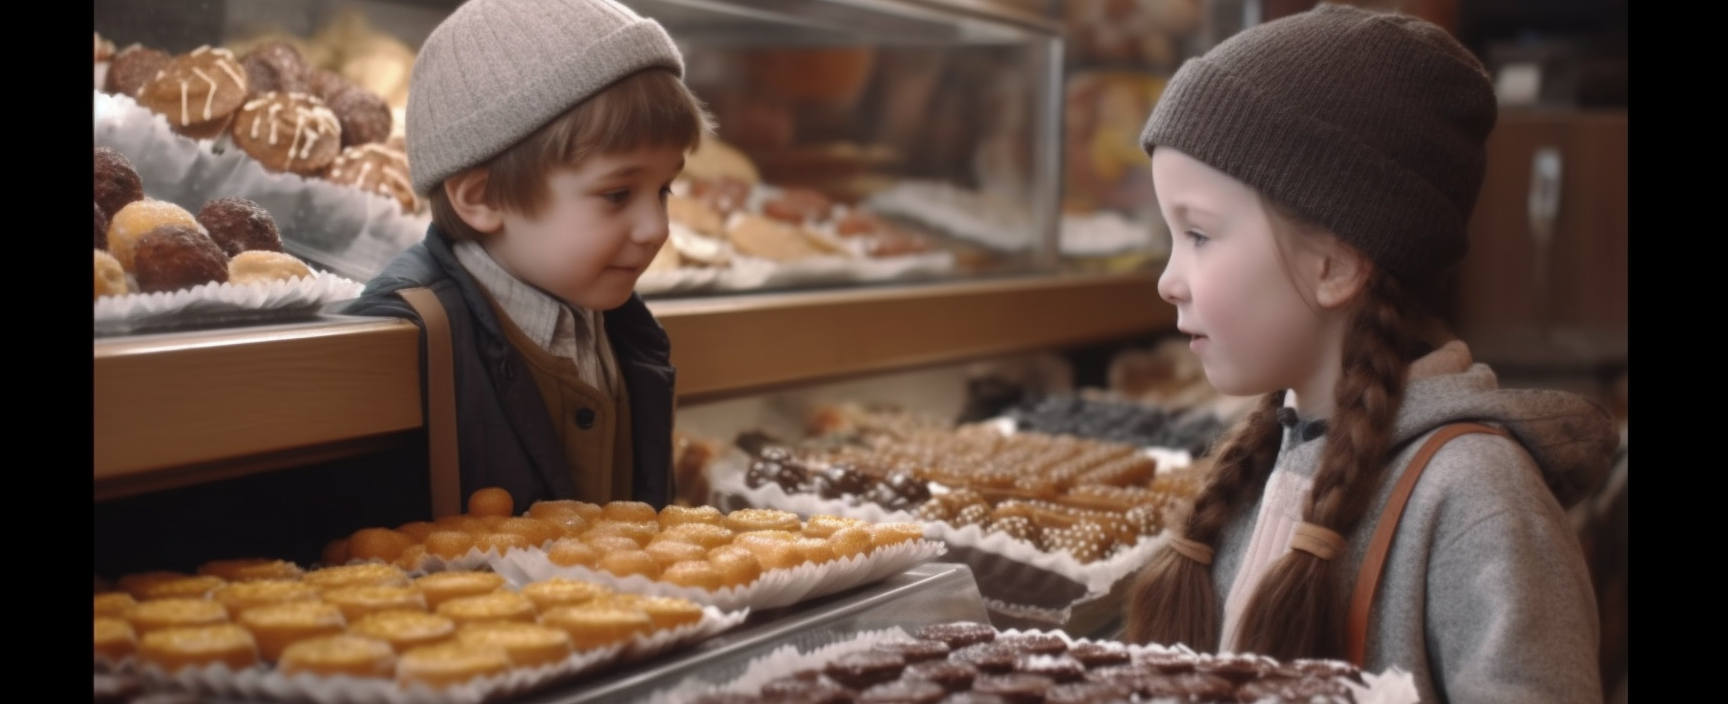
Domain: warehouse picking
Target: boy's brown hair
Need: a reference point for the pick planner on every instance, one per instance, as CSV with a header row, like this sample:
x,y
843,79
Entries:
x,y
649,108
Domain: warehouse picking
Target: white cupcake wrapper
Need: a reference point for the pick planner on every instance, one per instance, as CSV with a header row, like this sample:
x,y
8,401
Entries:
x,y
775,588
222,304
746,273
267,684
349,231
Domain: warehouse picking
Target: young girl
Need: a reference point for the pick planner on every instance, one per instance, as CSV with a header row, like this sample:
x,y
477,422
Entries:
x,y
1319,171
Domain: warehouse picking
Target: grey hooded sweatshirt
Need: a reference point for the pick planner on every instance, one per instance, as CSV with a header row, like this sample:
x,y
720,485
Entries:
x,y
1486,596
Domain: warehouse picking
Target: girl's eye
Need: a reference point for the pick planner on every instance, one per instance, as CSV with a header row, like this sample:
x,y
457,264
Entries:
x,y
1196,237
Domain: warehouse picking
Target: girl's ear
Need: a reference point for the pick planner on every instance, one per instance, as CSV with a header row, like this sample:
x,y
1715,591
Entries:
x,y
1343,274
467,193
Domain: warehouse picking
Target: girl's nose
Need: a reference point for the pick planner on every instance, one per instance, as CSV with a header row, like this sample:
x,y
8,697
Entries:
x,y
1173,283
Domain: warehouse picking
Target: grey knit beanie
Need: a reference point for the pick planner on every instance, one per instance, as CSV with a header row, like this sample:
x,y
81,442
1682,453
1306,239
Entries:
x,y
495,71
1372,125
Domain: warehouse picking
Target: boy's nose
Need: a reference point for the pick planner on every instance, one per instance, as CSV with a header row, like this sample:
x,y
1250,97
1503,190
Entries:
x,y
653,228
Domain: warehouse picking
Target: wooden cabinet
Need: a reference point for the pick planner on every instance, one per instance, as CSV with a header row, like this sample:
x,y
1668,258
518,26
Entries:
x,y
1496,304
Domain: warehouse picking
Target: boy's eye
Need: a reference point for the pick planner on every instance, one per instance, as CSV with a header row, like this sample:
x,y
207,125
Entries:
x,y
616,197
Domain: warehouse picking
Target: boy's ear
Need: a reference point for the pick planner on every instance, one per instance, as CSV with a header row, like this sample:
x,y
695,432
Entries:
x,y
467,193
1343,274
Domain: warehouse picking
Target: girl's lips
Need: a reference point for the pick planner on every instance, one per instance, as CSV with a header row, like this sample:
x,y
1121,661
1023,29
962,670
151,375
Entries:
x,y
1197,343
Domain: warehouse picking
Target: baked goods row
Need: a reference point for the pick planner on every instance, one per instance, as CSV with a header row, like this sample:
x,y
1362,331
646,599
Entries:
x,y
144,245
273,105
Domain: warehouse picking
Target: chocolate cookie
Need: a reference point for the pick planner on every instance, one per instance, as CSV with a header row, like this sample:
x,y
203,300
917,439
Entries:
x,y
198,92
375,168
813,689
175,257
276,67
238,225
1236,668
973,698
1016,688
117,183
132,67
903,692
1094,655
1295,689
291,132
861,670
1059,668
1034,644
1089,693
953,676
915,651
1192,686
987,657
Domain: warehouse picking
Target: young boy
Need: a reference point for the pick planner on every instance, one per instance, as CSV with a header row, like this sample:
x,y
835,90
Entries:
x,y
546,135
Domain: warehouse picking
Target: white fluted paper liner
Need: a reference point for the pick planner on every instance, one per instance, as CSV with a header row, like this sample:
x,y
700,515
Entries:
x,y
221,304
775,588
476,559
780,662
746,273
267,684
349,231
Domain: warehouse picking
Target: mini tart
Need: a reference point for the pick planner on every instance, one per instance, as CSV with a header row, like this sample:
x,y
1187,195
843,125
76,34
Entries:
x,y
848,542
571,552
497,606
368,574
628,562
527,644
114,604
815,550
183,588
822,526
681,515
553,593
697,574
115,638
706,535
405,630
252,569
737,566
629,512
665,612
444,586
326,656
356,602
592,627
449,664
887,534
752,519
137,584
237,597
173,613
771,553
668,553
174,649
642,532
280,625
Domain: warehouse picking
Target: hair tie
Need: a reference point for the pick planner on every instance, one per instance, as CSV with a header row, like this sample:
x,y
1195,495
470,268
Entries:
x,y
1317,540
1192,549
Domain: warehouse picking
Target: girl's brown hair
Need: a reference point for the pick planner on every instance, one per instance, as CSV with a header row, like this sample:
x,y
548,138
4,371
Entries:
x,y
1298,608
649,108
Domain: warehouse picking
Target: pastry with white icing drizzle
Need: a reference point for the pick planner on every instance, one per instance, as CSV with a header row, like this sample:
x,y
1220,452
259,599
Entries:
x,y
198,92
291,132
375,168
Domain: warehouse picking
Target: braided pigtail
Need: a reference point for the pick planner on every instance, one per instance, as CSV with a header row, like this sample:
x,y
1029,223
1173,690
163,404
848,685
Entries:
x,y
1172,599
1299,607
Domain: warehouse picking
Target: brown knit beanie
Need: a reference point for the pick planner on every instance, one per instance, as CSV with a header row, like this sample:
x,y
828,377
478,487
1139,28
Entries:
x,y
1369,124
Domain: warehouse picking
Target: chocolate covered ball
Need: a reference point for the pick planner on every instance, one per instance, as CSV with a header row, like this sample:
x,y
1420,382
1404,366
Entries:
x,y
240,225
101,228
276,66
134,66
175,257
117,183
364,116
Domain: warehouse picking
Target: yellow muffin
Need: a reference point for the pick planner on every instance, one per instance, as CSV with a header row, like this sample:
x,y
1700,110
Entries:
x,y
278,626
705,535
448,543
252,569
668,553
629,512
552,593
571,552
139,584
537,532
496,606
110,276
172,613
597,627
737,566
887,534
823,526
198,587
815,550
663,611
359,601
114,604
115,638
697,573
751,519
174,649
628,562
405,630
605,544
237,597
772,553
369,574
260,266
527,644
450,664
565,517
681,515
850,542
327,656
642,532
444,586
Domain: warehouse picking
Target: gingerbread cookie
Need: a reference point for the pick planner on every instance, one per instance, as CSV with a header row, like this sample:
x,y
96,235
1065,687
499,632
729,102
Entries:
x,y
291,132
198,92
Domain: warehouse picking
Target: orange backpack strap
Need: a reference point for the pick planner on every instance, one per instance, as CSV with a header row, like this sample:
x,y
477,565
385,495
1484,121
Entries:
x,y
440,402
1368,579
